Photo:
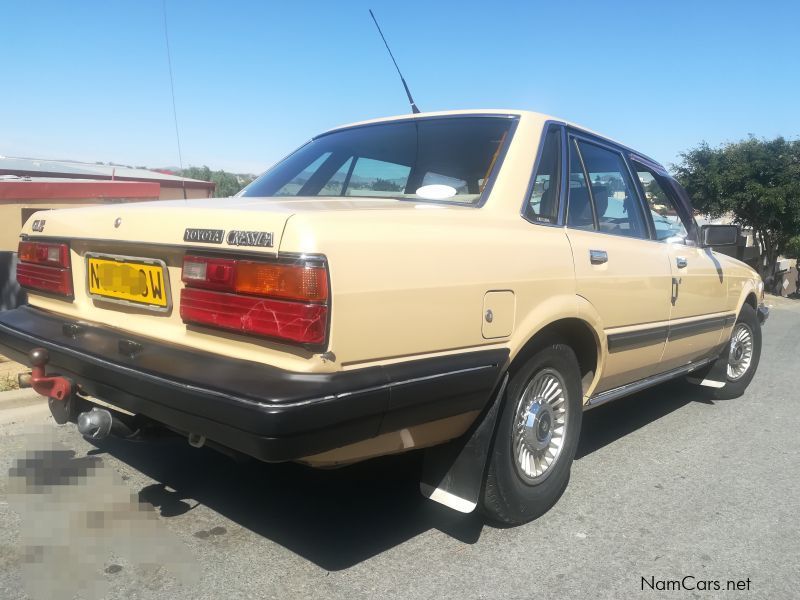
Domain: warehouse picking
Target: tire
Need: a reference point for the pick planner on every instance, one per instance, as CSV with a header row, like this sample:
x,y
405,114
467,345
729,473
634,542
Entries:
x,y
515,492
737,382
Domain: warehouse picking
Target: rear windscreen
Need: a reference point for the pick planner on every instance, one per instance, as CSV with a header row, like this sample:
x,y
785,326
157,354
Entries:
x,y
444,160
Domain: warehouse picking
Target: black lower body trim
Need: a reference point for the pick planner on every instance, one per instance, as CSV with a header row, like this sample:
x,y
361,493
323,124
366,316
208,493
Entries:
x,y
269,413
659,334
681,330
637,339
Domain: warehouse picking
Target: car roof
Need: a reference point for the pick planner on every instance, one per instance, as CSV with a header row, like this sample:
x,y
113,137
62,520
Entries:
x,y
526,114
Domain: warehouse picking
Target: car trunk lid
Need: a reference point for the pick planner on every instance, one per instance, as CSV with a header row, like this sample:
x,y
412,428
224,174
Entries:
x,y
207,222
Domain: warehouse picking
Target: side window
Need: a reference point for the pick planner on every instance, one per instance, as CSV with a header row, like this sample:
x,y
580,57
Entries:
x,y
372,177
616,203
580,214
543,202
293,187
666,219
335,184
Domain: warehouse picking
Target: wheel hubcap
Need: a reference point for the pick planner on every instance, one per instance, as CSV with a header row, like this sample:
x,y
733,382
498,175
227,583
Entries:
x,y
540,425
741,351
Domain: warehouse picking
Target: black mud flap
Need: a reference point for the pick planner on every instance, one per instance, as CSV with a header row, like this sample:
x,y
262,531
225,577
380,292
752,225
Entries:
x,y
452,474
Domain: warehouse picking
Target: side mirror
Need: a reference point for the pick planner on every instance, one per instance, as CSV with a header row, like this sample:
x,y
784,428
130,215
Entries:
x,y
719,235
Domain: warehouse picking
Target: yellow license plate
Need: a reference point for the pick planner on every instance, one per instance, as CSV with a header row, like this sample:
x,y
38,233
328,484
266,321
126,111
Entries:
x,y
129,281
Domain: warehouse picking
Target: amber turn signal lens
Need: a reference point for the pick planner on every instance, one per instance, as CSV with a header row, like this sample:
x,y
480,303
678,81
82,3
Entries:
x,y
290,282
27,252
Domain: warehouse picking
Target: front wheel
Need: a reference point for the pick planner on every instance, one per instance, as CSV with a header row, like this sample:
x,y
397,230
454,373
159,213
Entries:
x,y
536,438
744,353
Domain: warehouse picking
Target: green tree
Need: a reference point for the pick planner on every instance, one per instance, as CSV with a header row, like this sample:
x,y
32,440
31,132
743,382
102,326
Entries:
x,y
385,185
202,173
793,249
655,192
227,184
755,180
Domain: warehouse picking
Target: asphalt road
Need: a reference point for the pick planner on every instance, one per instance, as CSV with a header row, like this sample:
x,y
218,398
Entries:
x,y
667,484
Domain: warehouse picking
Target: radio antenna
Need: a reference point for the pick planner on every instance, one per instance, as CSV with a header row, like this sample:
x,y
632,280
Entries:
x,y
414,108
172,91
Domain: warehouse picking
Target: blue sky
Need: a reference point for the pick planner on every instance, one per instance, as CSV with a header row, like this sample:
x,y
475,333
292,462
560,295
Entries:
x,y
88,80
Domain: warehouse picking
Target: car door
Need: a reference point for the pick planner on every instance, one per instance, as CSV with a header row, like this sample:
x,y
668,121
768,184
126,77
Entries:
x,y
699,287
619,269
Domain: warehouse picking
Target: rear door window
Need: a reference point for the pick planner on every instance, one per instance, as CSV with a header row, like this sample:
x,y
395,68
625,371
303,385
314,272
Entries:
x,y
614,197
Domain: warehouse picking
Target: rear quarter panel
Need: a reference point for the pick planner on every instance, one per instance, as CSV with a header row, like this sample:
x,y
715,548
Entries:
x,y
415,284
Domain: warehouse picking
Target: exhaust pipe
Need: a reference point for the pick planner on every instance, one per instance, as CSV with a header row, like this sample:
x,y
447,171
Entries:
x,y
98,423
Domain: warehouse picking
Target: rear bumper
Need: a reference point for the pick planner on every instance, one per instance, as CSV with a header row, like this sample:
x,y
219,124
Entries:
x,y
763,313
263,411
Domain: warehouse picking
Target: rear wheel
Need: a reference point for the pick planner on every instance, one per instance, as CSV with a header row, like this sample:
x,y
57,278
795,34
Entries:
x,y
536,439
744,353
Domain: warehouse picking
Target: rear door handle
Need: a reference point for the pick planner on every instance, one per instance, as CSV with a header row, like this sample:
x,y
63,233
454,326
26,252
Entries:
x,y
676,284
681,262
598,257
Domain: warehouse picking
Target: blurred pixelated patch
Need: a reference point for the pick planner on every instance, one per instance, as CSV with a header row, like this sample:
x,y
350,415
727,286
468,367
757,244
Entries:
x,y
80,522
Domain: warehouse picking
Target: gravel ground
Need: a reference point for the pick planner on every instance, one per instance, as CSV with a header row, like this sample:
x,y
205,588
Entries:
x,y
8,373
667,484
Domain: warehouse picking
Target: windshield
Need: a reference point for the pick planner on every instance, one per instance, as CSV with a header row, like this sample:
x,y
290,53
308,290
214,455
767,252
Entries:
x,y
443,160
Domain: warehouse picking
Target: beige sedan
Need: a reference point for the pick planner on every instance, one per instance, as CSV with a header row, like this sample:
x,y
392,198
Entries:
x,y
466,282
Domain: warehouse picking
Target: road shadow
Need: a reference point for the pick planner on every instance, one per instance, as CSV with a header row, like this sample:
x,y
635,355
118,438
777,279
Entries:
x,y
613,421
339,518
333,518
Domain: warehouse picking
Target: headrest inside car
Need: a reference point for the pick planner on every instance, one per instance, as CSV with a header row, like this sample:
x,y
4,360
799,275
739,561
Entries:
x,y
580,211
600,193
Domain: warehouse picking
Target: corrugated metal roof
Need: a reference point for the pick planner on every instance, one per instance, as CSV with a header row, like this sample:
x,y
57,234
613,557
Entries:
x,y
16,189
41,167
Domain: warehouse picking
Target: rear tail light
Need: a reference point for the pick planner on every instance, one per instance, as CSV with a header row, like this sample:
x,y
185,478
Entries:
x,y
45,267
52,255
308,284
292,321
284,301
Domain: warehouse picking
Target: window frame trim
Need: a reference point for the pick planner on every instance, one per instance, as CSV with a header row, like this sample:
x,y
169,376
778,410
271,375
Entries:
x,y
561,213
595,222
622,151
678,193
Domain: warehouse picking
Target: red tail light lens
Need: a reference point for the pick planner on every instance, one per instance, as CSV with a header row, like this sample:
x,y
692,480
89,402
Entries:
x,y
52,255
284,301
45,267
292,321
